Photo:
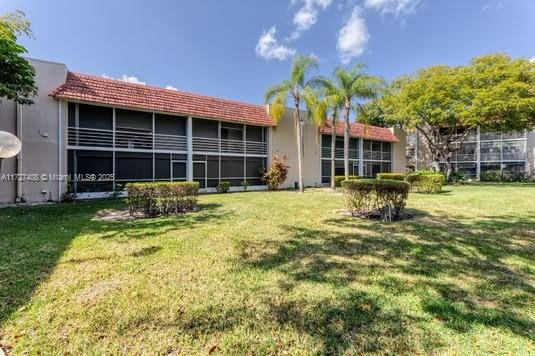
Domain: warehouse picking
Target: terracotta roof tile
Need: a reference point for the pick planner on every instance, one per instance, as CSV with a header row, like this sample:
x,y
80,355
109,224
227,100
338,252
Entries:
x,y
93,89
101,90
362,131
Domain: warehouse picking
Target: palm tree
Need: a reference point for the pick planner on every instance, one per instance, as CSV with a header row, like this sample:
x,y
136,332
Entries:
x,y
293,88
349,86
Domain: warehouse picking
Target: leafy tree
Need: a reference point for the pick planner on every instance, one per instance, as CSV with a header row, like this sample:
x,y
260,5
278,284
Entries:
x,y
17,75
445,104
294,88
349,86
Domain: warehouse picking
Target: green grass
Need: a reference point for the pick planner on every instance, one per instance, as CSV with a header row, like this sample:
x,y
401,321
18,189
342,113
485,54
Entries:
x,y
277,272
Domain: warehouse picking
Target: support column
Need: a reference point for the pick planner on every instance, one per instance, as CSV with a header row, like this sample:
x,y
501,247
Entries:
x,y
189,140
478,153
361,156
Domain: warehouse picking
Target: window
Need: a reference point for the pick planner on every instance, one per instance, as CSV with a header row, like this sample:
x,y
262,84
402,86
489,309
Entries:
x,y
82,163
205,128
255,133
232,169
133,166
162,166
133,120
170,125
95,117
232,132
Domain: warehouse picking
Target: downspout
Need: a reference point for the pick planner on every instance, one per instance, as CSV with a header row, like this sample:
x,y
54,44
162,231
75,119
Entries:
x,y
60,150
18,185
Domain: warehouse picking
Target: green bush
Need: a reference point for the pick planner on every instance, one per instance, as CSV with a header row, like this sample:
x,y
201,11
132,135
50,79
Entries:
x,y
391,176
426,182
223,187
162,198
339,179
364,196
498,176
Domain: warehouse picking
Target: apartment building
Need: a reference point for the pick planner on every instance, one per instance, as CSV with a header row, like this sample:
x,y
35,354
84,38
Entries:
x,y
96,134
481,151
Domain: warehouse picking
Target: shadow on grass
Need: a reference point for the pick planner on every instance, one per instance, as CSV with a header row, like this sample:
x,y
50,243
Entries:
x,y
33,239
464,273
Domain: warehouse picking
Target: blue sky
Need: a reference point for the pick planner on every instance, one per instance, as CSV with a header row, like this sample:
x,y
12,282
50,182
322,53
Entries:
x,y
235,49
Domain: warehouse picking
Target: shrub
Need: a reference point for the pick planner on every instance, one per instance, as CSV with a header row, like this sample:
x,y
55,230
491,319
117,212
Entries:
x,y
498,176
391,176
459,177
244,185
162,198
364,196
426,182
339,179
223,187
277,172
69,196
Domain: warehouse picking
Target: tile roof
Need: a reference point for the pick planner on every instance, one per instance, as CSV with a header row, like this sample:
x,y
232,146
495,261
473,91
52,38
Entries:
x,y
89,88
94,89
363,131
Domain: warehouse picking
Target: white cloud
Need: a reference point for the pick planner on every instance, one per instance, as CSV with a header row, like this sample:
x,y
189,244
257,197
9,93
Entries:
x,y
170,87
307,15
394,7
126,78
353,37
268,47
132,79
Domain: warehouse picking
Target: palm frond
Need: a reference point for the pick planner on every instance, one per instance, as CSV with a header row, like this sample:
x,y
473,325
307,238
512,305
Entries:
x,y
278,106
275,90
302,65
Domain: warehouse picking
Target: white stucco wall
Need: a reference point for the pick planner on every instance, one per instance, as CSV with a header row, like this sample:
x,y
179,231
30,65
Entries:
x,y
39,136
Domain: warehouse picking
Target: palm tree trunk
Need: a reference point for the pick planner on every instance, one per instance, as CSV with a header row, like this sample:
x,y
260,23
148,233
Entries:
x,y
299,137
346,140
333,157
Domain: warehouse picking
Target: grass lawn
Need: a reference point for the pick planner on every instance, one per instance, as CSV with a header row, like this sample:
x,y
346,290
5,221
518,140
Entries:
x,y
276,272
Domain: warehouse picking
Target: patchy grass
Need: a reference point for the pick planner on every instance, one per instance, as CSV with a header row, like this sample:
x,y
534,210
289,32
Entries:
x,y
276,272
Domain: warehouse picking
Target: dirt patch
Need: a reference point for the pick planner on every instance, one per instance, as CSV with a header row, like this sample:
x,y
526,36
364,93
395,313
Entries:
x,y
118,215
92,294
375,215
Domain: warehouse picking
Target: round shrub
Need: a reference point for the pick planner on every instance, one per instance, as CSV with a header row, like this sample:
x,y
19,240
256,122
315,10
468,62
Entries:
x,y
223,187
365,196
391,176
339,179
426,182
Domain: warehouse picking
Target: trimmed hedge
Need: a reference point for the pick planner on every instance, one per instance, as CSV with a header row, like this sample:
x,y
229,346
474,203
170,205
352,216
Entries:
x,y
339,179
391,176
364,196
162,198
223,187
426,182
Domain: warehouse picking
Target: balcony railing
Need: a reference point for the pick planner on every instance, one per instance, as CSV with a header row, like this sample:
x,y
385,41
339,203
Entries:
x,y
143,140
377,156
206,144
130,139
339,153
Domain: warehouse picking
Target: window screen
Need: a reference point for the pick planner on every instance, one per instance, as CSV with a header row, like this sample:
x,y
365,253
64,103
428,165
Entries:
x,y
92,162
129,119
95,117
170,125
231,167
212,168
162,166
71,108
255,167
136,166
254,133
205,128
